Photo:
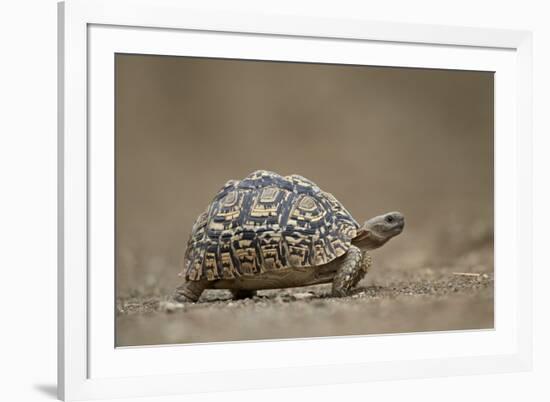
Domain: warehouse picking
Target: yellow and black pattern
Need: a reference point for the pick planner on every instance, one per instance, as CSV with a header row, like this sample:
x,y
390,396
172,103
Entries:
x,y
267,222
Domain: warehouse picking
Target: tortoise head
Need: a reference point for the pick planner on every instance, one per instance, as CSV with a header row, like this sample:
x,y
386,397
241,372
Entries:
x,y
377,231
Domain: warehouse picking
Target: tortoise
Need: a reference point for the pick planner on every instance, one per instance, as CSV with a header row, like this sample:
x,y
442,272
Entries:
x,y
267,231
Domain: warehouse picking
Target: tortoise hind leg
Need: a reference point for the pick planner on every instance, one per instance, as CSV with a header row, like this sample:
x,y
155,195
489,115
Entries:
x,y
239,294
190,291
351,270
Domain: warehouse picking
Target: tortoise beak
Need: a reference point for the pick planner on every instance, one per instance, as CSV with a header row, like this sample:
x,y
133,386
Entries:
x,y
400,223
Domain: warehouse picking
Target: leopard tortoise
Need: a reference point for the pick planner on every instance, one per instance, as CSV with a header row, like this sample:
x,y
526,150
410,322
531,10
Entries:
x,y
268,231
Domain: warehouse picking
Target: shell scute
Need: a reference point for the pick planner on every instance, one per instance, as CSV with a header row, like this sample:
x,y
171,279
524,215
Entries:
x,y
267,222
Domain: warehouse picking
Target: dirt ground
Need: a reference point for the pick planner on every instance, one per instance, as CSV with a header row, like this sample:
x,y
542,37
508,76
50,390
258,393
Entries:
x,y
456,297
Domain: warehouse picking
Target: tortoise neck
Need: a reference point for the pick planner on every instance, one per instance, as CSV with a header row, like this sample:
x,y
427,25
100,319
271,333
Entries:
x,y
368,241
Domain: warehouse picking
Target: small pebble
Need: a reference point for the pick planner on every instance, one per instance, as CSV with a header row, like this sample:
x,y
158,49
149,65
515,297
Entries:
x,y
170,307
302,296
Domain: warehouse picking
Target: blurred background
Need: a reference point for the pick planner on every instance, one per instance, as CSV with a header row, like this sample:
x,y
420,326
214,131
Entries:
x,y
415,140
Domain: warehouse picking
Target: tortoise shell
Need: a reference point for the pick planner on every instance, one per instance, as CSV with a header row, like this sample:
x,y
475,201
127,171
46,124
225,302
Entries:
x,y
267,222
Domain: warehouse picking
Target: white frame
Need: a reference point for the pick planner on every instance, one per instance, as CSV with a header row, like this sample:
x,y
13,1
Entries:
x,y
76,339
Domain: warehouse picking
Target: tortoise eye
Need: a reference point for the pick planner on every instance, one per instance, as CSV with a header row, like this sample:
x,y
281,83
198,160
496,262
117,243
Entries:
x,y
389,219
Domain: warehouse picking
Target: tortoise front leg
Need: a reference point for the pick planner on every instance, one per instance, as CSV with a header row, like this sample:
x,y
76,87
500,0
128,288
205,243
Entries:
x,y
352,269
190,291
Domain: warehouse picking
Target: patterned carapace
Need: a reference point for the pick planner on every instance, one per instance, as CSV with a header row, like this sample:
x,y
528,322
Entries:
x,y
267,222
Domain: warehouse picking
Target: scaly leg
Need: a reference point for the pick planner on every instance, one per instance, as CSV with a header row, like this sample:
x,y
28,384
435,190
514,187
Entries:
x,y
366,263
351,270
190,291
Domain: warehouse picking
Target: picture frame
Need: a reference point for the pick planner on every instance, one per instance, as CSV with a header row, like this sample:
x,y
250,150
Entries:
x,y
90,367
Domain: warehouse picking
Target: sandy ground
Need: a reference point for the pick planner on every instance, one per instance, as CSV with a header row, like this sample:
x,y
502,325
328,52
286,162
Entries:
x,y
447,298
